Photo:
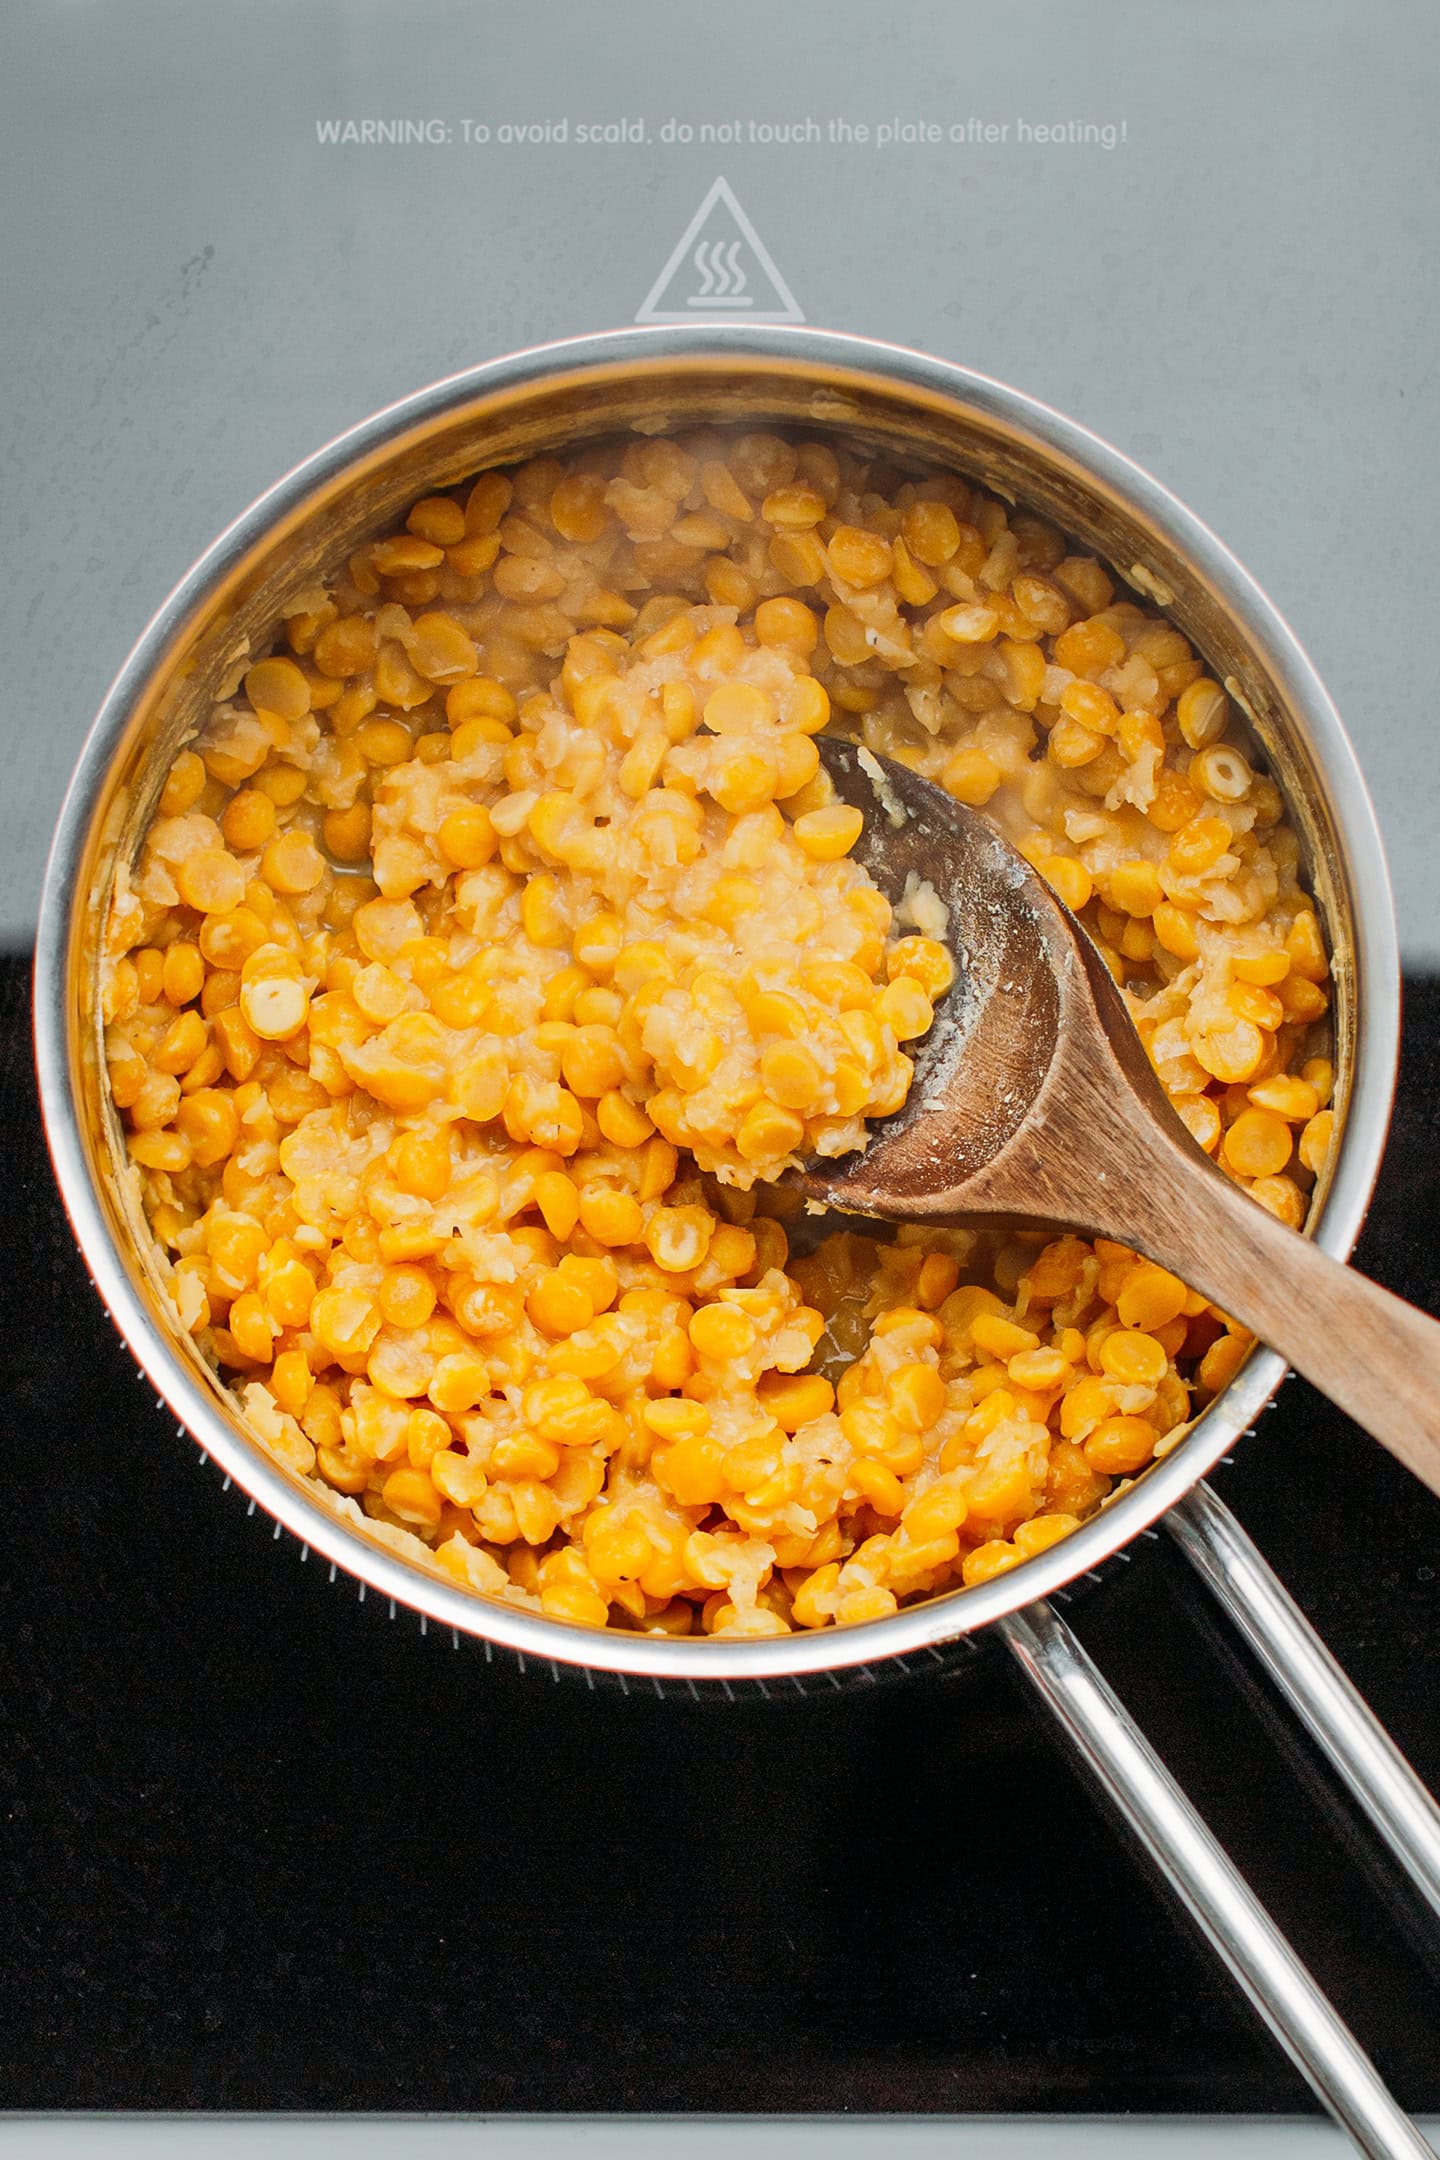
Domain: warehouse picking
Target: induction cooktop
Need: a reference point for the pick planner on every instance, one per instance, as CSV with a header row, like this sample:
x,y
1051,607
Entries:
x,y
271,1847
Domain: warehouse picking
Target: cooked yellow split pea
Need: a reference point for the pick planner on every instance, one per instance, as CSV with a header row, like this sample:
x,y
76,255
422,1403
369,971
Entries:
x,y
498,943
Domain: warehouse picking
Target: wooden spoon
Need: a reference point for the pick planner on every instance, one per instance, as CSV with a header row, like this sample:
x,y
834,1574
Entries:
x,y
1033,1103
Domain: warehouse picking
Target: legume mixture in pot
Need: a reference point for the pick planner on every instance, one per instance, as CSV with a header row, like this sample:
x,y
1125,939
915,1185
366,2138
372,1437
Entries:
x,y
498,944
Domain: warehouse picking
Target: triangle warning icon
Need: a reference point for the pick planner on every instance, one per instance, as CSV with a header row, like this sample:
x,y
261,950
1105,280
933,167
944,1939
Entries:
x,y
720,271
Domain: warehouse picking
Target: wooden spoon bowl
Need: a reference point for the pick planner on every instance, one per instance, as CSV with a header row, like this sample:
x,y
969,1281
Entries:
x,y
1034,1103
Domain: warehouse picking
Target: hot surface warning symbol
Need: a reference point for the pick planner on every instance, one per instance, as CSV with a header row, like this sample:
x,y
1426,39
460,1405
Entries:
x,y
721,270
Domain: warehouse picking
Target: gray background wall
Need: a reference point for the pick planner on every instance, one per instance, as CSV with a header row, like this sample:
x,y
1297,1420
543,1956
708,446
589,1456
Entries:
x,y
1242,294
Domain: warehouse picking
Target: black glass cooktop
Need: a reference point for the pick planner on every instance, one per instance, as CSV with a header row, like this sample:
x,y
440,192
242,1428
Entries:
x,y
265,1847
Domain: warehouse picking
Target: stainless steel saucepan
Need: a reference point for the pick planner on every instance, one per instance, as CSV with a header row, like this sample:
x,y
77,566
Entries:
x,y
652,381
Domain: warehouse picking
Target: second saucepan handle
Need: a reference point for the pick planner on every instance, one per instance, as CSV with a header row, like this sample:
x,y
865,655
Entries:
x,y
1332,1709
1306,2024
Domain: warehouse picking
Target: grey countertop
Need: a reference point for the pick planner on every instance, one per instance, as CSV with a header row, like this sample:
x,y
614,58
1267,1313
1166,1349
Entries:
x,y
656,2138
1240,292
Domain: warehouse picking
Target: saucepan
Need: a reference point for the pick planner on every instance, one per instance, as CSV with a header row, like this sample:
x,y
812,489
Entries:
x,y
651,381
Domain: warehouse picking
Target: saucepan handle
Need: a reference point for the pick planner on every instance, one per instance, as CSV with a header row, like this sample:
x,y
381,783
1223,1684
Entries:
x,y
1313,2035
1332,1709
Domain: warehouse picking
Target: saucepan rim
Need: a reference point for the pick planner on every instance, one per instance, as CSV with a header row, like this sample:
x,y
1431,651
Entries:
x,y
771,351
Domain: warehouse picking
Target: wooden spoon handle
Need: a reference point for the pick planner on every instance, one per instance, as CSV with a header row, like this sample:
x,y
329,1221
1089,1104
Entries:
x,y
1371,1353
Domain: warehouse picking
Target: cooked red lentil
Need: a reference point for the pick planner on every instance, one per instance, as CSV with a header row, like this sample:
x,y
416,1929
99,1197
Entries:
x,y
497,944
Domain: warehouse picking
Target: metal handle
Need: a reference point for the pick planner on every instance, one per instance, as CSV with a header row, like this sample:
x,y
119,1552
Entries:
x,y
1313,2035
1335,1713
